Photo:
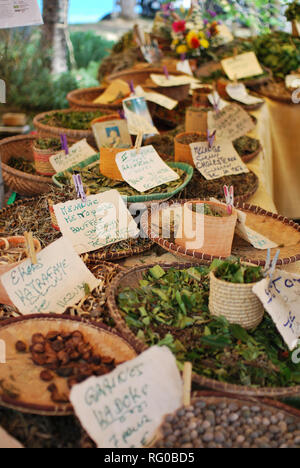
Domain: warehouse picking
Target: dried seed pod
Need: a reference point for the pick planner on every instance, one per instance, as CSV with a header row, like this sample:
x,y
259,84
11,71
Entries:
x,y
77,334
39,359
46,376
75,356
65,372
52,388
51,336
57,345
38,338
86,356
107,360
38,348
21,347
63,357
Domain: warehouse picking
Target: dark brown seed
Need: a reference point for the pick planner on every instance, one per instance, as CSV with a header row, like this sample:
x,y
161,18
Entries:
x,y
38,338
38,348
46,376
65,372
57,345
52,336
21,347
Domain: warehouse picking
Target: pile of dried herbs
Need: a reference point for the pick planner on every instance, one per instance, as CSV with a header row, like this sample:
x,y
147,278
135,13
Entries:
x,y
205,209
74,120
22,164
94,182
53,144
171,308
233,271
246,145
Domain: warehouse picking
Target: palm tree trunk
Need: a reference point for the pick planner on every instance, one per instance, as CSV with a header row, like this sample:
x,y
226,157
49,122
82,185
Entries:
x,y
56,34
128,9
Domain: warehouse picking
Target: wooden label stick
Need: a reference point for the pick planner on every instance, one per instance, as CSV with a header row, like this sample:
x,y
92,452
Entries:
x,y
187,383
31,253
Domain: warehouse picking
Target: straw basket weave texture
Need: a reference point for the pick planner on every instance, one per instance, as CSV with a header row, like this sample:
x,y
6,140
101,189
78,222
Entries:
x,y
183,152
108,165
83,99
73,136
27,185
236,302
42,161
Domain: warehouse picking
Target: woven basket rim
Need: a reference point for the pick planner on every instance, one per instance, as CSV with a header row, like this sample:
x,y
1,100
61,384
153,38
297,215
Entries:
x,y
150,70
16,172
237,285
198,379
54,410
175,249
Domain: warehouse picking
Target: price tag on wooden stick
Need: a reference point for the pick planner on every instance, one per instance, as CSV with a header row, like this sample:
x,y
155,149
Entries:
x,y
77,153
231,122
125,408
242,66
59,280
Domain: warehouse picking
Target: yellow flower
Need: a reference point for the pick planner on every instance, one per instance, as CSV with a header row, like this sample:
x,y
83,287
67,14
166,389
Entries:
x,y
175,42
204,43
182,49
192,39
201,35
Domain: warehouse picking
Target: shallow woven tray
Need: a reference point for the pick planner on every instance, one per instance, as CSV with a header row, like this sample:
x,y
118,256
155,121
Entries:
x,y
83,99
99,255
24,184
248,157
72,135
34,397
277,228
213,398
130,278
276,91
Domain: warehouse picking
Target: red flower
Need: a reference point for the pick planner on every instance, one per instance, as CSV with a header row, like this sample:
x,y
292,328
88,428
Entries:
x,y
179,26
195,43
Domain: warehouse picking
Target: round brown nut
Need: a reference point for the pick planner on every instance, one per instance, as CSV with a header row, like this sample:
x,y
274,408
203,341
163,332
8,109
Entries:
x,y
37,338
38,348
21,347
46,376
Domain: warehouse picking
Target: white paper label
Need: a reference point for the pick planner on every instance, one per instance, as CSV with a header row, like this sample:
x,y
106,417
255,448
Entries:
x,y
292,81
19,13
54,284
281,299
138,117
242,66
102,220
77,153
143,169
254,238
162,80
125,408
157,98
231,123
239,93
184,67
8,442
218,161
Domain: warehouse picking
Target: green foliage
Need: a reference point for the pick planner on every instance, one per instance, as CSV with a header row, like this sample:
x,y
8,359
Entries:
x,y
88,47
293,11
233,271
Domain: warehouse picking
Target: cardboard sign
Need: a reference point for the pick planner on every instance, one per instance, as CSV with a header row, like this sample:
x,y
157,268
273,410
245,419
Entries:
x,y
184,66
59,280
125,408
162,80
254,238
8,442
117,90
19,13
157,98
77,153
138,116
281,299
112,134
231,123
292,81
218,161
242,66
239,93
102,220
143,169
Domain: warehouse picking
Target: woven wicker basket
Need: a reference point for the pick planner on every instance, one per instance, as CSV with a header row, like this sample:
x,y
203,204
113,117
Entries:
x,y
183,153
236,302
73,136
108,165
196,120
42,161
27,185
83,99
140,77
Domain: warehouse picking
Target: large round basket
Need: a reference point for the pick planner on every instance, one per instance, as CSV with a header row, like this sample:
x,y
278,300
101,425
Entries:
x,y
131,278
24,184
20,371
83,99
72,135
277,228
276,91
140,77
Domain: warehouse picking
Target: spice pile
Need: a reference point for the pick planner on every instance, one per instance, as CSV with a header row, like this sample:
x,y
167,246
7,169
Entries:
x,y
229,425
21,164
171,308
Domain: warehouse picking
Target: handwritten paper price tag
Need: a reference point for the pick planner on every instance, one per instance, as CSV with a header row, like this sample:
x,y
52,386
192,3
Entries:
x,y
218,161
77,153
184,66
254,238
138,117
56,282
162,80
242,66
157,98
102,220
292,81
231,123
143,169
14,14
239,93
124,408
281,299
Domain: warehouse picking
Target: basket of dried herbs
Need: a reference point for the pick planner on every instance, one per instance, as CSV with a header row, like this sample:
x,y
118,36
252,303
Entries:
x,y
75,124
168,305
84,98
94,182
231,295
43,150
18,168
247,147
